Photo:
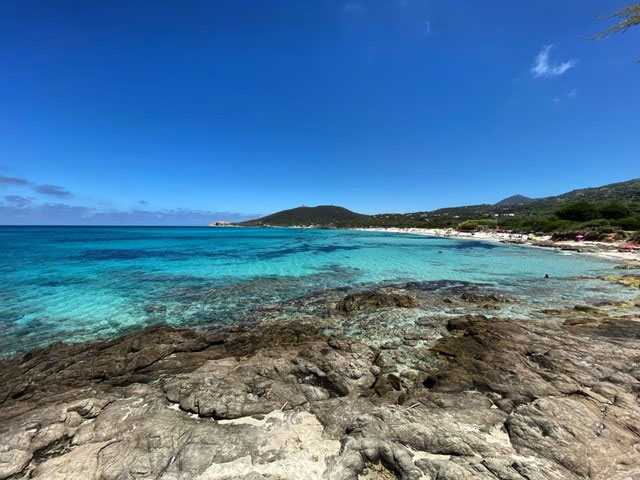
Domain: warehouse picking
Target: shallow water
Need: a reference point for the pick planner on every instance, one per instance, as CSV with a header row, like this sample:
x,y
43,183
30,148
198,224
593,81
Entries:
x,y
79,283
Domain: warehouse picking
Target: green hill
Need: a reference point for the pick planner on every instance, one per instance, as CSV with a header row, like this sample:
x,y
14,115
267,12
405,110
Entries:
x,y
323,215
626,192
613,207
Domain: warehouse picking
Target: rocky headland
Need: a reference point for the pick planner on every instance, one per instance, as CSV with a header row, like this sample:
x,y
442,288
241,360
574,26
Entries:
x,y
469,396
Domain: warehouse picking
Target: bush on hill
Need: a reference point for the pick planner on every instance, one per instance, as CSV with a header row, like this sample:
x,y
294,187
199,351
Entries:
x,y
547,225
629,223
614,211
578,212
469,226
601,224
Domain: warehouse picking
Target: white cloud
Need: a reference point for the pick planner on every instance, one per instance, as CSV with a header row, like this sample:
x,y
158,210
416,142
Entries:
x,y
427,29
572,94
354,8
542,67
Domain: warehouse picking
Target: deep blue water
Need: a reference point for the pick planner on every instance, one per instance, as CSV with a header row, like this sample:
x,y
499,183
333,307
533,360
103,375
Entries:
x,y
78,283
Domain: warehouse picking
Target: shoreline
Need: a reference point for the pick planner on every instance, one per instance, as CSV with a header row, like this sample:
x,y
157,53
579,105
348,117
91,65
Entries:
x,y
604,250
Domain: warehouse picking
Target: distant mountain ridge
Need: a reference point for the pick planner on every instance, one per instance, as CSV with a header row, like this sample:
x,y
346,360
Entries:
x,y
627,193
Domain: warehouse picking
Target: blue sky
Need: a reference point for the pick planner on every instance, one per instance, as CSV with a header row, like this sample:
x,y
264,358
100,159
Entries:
x,y
177,112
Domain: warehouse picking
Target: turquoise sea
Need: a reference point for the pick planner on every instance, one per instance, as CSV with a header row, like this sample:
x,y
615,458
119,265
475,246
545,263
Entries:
x,y
79,283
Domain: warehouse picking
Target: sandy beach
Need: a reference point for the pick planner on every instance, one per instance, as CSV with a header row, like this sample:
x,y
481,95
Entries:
x,y
600,249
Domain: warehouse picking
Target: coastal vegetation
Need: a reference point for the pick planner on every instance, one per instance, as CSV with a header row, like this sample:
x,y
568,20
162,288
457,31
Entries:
x,y
597,213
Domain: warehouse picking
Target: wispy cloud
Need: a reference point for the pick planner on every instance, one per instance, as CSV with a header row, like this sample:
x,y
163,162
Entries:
x,y
354,8
24,210
15,211
572,94
14,181
17,200
42,188
52,190
542,66
427,28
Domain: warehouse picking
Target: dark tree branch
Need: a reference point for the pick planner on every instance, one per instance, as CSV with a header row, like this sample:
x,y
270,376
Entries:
x,y
629,17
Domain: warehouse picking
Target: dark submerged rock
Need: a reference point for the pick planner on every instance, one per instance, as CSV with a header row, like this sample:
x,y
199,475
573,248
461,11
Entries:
x,y
376,299
465,321
479,298
628,266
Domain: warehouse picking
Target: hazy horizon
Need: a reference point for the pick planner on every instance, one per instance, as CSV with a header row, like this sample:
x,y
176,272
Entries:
x,y
179,114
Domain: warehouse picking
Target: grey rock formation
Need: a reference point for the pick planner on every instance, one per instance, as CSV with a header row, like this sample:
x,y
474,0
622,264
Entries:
x,y
494,399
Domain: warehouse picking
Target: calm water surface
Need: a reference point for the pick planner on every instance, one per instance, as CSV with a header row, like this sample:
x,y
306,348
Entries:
x,y
78,283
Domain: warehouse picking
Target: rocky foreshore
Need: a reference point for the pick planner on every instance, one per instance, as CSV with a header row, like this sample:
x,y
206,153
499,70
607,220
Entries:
x,y
490,399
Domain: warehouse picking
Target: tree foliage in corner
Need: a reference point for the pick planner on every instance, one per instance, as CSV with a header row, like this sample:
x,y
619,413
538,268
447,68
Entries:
x,y
628,16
